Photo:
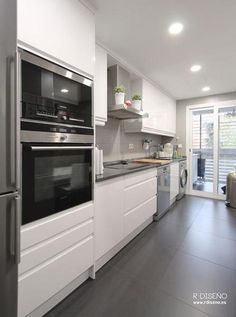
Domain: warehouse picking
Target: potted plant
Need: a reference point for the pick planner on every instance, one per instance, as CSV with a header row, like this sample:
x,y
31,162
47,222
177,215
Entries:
x,y
137,102
119,95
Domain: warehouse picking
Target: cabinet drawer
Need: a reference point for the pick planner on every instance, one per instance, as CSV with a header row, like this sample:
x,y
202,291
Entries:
x,y
139,193
45,250
139,215
139,177
48,227
41,283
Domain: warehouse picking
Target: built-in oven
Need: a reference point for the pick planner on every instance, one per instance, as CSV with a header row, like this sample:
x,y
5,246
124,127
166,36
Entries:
x,y
57,138
54,178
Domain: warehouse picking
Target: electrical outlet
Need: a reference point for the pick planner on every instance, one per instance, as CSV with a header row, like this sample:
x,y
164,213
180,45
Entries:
x,y
131,146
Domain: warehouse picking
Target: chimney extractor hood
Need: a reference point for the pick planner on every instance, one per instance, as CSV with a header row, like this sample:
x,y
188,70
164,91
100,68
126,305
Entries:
x,y
123,112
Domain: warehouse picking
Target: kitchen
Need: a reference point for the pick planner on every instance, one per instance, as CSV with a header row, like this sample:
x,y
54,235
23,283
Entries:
x,y
116,146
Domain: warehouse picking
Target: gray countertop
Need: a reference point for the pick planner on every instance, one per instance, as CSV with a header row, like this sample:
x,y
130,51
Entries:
x,y
110,173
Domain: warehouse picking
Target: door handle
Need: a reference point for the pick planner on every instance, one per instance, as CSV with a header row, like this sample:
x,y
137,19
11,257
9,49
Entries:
x,y
10,98
51,148
15,225
17,228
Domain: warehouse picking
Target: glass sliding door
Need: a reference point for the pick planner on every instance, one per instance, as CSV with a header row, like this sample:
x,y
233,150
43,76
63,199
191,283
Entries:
x,y
202,144
226,144
211,139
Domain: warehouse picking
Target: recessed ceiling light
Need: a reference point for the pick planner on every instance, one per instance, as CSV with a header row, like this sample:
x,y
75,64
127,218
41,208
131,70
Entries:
x,y
207,88
64,90
176,28
195,68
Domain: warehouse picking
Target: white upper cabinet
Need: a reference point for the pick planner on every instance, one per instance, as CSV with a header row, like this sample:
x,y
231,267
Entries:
x,y
100,86
162,113
62,30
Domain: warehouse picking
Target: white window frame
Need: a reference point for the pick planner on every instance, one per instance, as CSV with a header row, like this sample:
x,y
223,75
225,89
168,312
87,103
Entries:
x,y
189,109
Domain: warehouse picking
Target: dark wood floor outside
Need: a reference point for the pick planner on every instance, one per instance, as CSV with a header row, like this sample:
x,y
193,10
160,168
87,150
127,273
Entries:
x,y
190,252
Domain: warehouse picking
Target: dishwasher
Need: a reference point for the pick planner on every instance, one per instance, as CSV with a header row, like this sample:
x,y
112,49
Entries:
x,y
163,189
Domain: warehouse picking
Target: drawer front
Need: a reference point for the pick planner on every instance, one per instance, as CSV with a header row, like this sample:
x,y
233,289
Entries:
x,y
139,215
38,285
45,250
139,177
139,193
46,228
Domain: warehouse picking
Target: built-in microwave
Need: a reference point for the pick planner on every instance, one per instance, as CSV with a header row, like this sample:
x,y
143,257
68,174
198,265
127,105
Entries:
x,y
57,138
51,93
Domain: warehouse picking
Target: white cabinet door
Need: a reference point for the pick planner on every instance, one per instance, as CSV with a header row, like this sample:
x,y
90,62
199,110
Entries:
x,y
161,109
100,86
62,29
109,223
162,113
174,180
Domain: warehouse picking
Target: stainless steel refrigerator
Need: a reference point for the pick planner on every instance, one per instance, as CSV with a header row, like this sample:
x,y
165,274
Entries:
x,y
9,181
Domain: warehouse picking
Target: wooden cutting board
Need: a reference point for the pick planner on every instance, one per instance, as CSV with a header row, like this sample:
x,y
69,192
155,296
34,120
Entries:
x,y
153,161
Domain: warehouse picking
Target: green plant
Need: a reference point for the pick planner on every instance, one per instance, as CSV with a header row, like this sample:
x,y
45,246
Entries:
x,y
119,89
136,97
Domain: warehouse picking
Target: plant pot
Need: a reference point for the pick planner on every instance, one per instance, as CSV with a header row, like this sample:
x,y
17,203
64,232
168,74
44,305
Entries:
x,y
137,104
120,98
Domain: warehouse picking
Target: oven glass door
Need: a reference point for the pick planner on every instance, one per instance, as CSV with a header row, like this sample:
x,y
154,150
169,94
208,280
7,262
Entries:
x,y
54,178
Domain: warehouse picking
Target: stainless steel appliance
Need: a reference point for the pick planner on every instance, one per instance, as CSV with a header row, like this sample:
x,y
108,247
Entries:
x,y
57,138
163,189
183,178
9,179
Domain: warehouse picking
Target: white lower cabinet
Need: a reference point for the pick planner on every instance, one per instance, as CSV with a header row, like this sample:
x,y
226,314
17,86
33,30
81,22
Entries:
x,y
121,206
54,252
38,285
109,228
135,217
174,180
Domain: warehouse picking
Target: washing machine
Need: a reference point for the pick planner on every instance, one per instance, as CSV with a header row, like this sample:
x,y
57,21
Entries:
x,y
183,178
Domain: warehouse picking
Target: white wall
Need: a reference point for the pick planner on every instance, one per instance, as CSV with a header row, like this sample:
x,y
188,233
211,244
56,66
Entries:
x,y
181,112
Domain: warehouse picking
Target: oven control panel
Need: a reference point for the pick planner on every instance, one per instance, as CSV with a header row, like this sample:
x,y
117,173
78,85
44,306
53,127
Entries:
x,y
43,109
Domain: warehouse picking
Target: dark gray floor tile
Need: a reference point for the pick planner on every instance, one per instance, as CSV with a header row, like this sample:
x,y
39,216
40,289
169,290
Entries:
x,y
166,233
187,275
212,248
219,227
161,304
146,264
217,209
184,212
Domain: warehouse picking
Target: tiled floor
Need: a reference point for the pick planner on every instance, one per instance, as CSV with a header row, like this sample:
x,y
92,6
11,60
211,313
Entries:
x,y
191,250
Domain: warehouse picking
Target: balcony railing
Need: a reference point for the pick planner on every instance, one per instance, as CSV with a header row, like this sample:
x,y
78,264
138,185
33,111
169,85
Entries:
x,y
227,164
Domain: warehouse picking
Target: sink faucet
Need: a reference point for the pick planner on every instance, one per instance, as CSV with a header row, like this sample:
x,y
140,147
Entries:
x,y
154,154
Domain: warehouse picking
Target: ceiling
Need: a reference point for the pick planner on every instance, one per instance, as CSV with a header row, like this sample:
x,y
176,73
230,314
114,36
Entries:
x,y
137,31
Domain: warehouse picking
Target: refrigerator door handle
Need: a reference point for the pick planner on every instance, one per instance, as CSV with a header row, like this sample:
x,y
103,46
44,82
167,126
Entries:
x,y
10,99
15,226
17,92
13,100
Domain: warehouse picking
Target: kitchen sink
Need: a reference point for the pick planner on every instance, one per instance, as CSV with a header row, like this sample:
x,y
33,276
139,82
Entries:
x,y
126,165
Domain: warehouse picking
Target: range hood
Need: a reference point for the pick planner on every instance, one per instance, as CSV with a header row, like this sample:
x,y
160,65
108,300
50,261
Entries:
x,y
123,112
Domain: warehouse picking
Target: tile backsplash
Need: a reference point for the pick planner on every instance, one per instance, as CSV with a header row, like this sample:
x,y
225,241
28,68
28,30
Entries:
x,y
115,142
